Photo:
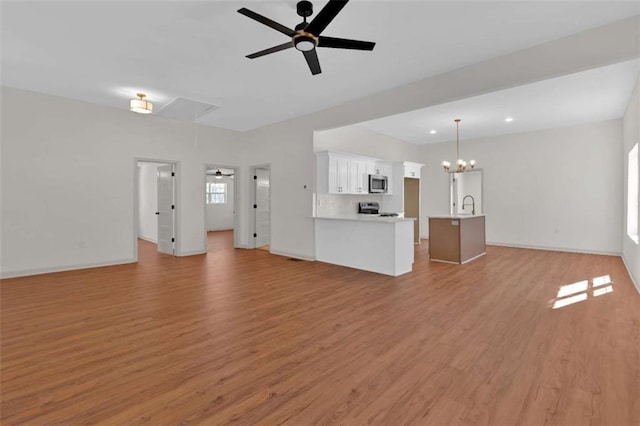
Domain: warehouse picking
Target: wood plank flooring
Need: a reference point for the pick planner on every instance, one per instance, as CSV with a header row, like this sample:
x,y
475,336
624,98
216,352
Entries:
x,y
246,337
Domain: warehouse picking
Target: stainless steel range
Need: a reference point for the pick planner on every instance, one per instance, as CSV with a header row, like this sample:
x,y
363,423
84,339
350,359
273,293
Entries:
x,y
373,208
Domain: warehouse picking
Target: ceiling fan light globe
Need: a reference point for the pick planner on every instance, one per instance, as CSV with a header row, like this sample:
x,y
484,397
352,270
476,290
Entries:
x,y
304,44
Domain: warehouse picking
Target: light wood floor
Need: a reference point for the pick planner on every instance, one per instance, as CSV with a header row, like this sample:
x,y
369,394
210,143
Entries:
x,y
246,337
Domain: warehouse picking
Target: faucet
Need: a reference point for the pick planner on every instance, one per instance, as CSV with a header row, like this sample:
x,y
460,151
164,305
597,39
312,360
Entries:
x,y
472,204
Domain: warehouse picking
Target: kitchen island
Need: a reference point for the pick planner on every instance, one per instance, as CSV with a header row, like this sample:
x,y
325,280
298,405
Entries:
x,y
368,242
456,238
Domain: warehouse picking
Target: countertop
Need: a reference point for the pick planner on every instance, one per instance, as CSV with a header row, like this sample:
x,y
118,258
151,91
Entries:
x,y
367,218
455,216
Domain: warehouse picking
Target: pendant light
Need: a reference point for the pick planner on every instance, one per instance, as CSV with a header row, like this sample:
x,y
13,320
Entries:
x,y
461,165
141,105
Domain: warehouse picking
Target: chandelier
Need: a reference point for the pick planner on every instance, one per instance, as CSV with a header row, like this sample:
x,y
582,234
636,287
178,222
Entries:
x,y
461,165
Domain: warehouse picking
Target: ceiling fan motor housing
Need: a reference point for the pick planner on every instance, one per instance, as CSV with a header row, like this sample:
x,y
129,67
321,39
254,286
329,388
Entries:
x,y
304,8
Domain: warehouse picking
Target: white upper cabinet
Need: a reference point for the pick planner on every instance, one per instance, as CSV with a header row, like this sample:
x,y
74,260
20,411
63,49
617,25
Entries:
x,y
358,178
412,170
338,173
386,169
341,173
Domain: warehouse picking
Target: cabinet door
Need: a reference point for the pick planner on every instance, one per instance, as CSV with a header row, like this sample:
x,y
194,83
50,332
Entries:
x,y
357,171
387,170
412,172
374,169
342,175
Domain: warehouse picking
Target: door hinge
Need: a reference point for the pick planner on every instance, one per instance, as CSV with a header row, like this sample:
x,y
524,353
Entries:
x,y
173,207
173,173
255,177
255,206
255,235
173,240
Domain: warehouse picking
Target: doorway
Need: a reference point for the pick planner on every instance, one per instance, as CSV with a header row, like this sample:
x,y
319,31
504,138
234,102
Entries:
x,y
220,207
262,207
412,205
155,212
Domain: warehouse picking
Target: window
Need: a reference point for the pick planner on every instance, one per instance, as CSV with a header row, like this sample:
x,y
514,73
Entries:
x,y
216,193
632,195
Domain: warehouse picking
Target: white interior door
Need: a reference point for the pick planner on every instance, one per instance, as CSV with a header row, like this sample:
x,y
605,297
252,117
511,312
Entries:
x,y
262,209
166,209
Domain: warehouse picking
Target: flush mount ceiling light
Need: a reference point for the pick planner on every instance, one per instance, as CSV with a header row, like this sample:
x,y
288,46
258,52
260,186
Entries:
x,y
433,132
141,105
508,119
461,165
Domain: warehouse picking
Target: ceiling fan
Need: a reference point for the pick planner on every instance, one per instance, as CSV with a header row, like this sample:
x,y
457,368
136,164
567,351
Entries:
x,y
306,36
218,174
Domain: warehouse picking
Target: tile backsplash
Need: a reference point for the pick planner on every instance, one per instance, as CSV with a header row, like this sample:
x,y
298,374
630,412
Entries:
x,y
342,204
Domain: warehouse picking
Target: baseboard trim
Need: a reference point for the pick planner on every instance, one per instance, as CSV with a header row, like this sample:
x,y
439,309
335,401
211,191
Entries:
x,y
191,253
567,250
294,256
221,229
635,283
40,271
148,239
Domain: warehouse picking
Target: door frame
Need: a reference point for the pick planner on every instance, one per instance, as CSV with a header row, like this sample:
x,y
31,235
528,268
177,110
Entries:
x,y
252,200
236,196
136,201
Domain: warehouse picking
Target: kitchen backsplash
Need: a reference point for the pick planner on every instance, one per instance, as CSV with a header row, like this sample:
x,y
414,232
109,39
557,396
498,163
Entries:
x,y
343,204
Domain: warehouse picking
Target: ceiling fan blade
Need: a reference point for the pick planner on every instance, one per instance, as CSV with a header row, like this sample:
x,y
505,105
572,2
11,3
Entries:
x,y
266,21
274,49
326,15
345,43
312,60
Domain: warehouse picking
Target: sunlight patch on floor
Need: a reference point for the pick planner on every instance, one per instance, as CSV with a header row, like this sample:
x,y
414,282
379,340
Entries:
x,y
578,291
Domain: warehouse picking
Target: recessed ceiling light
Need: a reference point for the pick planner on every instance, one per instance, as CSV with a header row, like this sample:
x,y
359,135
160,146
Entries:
x,y
508,119
433,132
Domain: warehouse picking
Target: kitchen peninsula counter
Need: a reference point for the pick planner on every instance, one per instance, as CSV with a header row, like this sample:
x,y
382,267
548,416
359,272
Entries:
x,y
368,242
456,238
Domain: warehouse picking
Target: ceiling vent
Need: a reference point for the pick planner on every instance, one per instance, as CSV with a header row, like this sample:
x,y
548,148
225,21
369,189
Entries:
x,y
186,109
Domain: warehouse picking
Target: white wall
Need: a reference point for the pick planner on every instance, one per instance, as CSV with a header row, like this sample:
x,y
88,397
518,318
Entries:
x,y
288,146
148,201
67,172
557,188
361,141
220,216
631,136
68,182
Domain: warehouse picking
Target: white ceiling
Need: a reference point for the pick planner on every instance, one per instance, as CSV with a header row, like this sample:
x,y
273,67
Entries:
x,y
104,52
589,96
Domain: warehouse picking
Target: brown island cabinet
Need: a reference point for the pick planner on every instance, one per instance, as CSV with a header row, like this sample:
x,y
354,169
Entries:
x,y
456,238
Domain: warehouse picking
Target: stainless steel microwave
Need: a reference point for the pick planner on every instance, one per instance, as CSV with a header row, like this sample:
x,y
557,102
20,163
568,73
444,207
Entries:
x,y
378,184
